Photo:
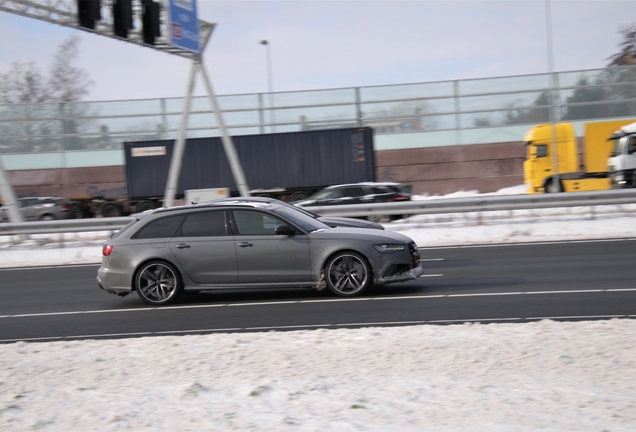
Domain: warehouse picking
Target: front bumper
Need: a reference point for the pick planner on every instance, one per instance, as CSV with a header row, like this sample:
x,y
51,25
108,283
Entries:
x,y
411,274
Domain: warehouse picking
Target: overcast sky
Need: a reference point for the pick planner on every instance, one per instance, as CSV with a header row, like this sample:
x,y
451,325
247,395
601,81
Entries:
x,y
328,44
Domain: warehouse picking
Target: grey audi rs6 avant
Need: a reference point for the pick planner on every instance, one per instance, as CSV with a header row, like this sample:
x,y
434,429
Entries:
x,y
241,244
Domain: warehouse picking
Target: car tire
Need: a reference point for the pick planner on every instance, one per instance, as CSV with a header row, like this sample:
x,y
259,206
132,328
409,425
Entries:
x,y
158,283
47,217
348,274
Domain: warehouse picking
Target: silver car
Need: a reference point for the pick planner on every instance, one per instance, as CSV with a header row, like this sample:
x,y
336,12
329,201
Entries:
x,y
164,252
41,208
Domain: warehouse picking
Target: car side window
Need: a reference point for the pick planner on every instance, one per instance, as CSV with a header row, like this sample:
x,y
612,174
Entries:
x,y
28,202
332,194
632,145
255,223
379,191
160,228
354,192
204,224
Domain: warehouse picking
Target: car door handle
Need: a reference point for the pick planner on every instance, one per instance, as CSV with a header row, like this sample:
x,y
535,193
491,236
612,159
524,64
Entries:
x,y
245,244
182,246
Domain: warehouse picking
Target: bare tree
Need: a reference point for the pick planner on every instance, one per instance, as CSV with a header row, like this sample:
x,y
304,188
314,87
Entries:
x,y
627,54
28,119
67,82
23,84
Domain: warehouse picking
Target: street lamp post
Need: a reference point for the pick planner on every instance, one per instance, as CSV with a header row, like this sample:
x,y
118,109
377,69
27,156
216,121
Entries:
x,y
554,113
270,84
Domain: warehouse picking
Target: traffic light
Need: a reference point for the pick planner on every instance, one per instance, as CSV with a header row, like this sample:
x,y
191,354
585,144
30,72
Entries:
x,y
122,17
150,21
89,11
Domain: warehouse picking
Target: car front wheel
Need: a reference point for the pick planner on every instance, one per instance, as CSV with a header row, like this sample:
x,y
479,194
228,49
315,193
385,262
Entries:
x,y
348,274
158,283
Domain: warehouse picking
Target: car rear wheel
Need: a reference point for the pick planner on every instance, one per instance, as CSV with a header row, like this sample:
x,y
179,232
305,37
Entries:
x,y
158,283
47,217
348,274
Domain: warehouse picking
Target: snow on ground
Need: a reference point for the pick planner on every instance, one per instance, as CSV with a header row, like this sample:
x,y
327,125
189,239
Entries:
x,y
553,376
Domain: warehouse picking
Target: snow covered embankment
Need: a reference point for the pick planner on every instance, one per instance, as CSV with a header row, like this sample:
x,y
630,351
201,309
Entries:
x,y
497,377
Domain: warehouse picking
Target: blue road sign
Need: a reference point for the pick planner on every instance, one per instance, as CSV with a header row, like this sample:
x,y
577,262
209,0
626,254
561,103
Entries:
x,y
184,24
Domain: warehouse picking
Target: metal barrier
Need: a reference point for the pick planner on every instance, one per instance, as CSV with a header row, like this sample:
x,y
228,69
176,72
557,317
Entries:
x,y
478,203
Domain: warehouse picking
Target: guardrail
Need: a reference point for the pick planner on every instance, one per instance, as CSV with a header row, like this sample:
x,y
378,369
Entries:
x,y
478,203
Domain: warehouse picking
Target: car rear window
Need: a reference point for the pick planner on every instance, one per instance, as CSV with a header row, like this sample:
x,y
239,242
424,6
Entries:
x,y
204,224
160,228
126,228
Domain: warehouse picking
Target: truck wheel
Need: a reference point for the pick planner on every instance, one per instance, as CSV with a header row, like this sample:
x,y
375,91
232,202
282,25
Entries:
x,y
81,211
111,210
145,205
298,196
550,187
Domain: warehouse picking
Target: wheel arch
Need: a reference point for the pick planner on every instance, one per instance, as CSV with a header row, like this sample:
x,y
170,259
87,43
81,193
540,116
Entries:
x,y
548,181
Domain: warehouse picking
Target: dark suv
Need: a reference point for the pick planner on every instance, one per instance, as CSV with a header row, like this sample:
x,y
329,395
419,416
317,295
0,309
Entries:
x,y
358,193
41,208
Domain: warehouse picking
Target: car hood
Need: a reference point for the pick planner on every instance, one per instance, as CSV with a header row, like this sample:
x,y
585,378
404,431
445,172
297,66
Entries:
x,y
381,236
335,221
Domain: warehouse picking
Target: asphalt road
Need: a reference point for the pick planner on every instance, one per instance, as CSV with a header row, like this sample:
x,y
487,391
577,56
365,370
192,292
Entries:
x,y
506,283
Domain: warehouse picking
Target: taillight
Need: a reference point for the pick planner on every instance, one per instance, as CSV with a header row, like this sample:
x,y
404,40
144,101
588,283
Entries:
x,y
107,249
63,206
401,198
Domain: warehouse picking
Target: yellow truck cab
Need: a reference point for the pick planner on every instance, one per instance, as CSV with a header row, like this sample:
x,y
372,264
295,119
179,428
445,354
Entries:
x,y
538,167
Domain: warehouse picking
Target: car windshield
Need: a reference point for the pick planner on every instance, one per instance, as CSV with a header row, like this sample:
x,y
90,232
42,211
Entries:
x,y
299,218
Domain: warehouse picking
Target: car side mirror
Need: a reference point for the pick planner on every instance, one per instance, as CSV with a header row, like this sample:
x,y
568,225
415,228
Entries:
x,y
284,230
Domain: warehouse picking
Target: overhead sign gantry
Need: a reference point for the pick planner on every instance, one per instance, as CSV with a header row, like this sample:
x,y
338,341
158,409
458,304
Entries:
x,y
170,26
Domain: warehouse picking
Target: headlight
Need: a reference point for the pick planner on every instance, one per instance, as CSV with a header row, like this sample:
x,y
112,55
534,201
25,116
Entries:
x,y
389,248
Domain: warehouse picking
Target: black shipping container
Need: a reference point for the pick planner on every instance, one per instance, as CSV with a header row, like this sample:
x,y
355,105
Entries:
x,y
307,160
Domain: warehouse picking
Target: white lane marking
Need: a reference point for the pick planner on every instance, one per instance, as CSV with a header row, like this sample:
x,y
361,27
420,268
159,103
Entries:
x,y
289,327
205,331
566,291
319,301
577,317
197,331
485,294
410,297
258,304
477,320
524,244
337,300
381,323
432,275
50,267
432,259
114,334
